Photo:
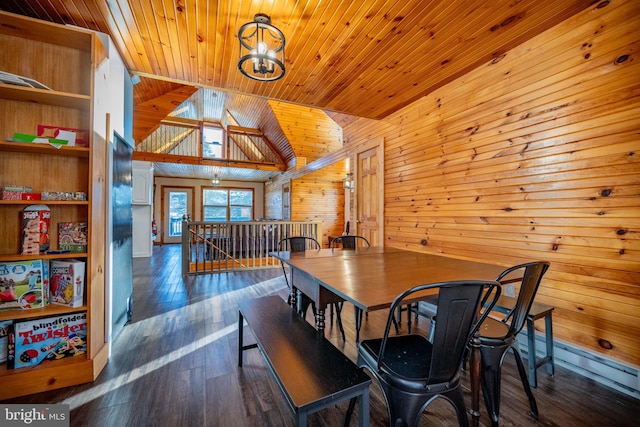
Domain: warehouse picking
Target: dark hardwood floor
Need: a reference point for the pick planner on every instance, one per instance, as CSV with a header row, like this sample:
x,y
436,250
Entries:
x,y
175,364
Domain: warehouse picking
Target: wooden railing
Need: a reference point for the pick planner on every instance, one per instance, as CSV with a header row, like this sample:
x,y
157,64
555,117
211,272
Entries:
x,y
216,247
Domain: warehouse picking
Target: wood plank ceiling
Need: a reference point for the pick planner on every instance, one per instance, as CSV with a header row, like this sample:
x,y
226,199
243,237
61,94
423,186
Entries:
x,y
367,58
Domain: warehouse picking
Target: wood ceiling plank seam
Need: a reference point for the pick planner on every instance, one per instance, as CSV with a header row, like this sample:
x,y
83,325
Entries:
x,y
303,39
538,51
242,15
164,18
565,58
331,31
296,22
473,54
395,76
66,12
461,95
21,8
439,15
191,42
124,20
363,57
202,29
181,30
214,42
147,18
333,82
92,17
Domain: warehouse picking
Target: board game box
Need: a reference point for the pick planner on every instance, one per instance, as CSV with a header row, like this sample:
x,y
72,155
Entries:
x,y
72,236
51,338
24,284
66,283
4,339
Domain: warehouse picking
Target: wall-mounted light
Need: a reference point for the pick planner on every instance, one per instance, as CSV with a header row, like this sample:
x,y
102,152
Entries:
x,y
269,181
348,182
261,49
215,181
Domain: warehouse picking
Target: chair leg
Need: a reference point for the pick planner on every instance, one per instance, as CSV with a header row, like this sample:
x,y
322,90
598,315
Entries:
x,y
339,318
525,382
457,400
490,377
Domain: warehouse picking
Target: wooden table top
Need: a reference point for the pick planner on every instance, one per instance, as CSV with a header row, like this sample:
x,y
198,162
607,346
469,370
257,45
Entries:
x,y
371,278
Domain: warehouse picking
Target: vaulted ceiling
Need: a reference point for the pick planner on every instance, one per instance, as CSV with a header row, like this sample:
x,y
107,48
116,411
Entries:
x,y
364,58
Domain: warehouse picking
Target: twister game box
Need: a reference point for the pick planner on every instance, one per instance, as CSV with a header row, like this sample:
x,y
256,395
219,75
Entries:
x,y
24,284
50,338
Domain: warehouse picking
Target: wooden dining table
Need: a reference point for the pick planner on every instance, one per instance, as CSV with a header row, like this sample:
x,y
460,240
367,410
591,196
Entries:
x,y
371,278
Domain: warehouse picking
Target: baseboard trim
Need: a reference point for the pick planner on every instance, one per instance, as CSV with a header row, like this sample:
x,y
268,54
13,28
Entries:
x,y
616,375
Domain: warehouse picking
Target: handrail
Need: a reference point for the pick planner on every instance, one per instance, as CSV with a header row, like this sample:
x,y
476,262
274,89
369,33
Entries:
x,y
214,247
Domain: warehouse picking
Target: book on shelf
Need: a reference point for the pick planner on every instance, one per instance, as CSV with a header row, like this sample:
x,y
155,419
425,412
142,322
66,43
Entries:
x,y
14,79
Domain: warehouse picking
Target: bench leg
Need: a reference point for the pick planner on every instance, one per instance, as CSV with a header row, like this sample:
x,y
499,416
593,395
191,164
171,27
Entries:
x,y
364,408
548,330
301,418
240,335
531,350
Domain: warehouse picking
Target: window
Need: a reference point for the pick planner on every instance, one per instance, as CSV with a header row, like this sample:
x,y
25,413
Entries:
x,y
227,204
212,138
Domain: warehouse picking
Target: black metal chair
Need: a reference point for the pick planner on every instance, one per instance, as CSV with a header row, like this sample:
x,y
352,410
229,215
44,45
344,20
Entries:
x,y
299,244
498,336
350,242
412,370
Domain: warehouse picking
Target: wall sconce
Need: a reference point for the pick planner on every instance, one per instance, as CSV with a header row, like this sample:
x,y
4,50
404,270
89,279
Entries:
x,y
261,49
215,181
269,181
348,183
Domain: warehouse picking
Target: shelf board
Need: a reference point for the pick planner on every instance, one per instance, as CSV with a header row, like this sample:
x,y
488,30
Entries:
x,y
44,96
14,257
30,147
48,310
45,202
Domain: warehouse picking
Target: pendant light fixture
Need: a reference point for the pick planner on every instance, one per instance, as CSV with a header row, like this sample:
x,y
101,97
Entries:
x,y
261,49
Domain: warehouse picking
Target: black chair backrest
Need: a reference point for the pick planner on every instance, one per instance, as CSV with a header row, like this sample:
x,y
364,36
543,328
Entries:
x,y
298,243
350,242
458,319
531,277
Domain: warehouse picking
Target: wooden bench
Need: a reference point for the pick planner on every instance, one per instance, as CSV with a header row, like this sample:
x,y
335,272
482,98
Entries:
x,y
311,372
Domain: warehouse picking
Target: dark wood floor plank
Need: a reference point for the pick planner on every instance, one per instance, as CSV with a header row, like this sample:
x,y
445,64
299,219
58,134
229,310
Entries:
x,y
175,364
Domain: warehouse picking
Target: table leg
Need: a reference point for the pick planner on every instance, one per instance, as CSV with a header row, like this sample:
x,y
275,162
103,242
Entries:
x,y
320,317
294,297
475,379
358,319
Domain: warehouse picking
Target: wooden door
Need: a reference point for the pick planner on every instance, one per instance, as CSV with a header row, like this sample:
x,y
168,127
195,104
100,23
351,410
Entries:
x,y
370,192
286,202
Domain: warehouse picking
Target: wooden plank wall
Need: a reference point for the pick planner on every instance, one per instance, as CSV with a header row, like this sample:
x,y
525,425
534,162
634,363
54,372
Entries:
x,y
535,155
